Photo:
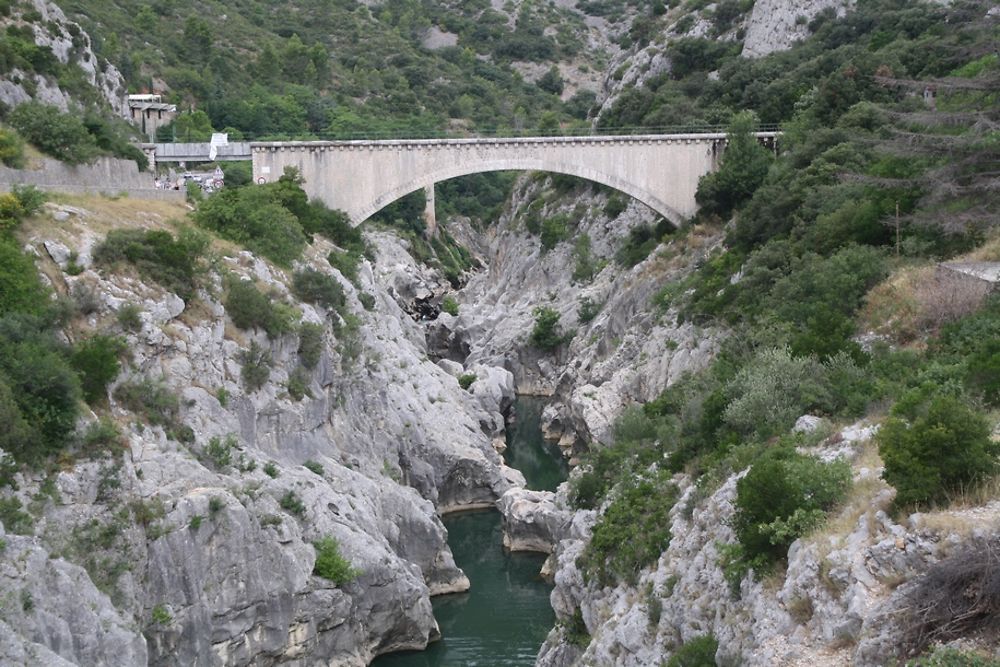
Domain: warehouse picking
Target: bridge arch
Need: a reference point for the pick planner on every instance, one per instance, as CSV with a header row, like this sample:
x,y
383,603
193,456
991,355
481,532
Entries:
x,y
394,192
361,177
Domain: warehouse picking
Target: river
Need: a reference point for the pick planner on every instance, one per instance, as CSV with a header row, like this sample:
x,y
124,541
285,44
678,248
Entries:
x,y
504,618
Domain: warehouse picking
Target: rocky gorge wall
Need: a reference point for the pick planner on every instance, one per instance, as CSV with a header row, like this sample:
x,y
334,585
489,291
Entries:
x,y
187,560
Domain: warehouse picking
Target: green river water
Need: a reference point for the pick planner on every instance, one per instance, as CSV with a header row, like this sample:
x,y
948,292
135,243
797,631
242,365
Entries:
x,y
503,619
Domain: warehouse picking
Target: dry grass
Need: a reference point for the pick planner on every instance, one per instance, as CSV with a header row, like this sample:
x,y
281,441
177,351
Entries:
x,y
916,301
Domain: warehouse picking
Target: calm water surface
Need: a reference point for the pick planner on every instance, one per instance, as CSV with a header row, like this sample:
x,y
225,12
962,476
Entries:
x,y
503,620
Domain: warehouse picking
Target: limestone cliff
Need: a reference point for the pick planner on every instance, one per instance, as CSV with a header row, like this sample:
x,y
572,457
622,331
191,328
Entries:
x,y
196,558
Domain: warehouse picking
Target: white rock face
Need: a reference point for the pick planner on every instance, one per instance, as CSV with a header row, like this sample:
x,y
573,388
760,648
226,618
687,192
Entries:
x,y
220,554
835,605
775,25
54,32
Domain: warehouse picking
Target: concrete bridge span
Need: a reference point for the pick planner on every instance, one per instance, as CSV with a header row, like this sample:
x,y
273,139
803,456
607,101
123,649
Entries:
x,y
361,177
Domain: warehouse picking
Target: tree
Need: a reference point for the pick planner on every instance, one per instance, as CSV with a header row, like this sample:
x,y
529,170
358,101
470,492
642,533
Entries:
x,y
551,81
193,126
933,447
61,135
744,167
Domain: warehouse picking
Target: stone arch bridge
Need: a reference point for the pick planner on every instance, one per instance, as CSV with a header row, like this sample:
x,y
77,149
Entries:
x,y
361,177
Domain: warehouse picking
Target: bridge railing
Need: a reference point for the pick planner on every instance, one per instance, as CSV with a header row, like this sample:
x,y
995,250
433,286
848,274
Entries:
x,y
500,132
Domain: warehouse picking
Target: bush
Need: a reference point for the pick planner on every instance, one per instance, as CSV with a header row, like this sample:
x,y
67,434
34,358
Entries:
x,y
466,379
314,467
346,263
632,532
61,135
39,391
744,166
615,206
156,402
102,435
935,446
950,657
588,310
96,362
20,288
547,335
772,391
290,502
699,652
11,149
958,597
298,384
256,362
553,231
583,262
157,255
257,219
311,286
249,308
310,343
784,496
330,564
449,305
271,470
220,450
15,520
129,317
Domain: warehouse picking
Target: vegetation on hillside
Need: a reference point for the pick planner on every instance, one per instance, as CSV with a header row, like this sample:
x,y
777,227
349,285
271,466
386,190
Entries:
x,y
855,195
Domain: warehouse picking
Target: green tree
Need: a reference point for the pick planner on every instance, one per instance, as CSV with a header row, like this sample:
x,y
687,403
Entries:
x,y
61,135
193,126
743,168
935,446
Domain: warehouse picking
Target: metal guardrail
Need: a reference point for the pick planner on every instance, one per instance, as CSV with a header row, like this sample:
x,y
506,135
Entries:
x,y
495,133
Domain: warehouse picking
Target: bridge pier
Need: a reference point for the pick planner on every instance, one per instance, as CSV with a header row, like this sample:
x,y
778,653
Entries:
x,y
430,212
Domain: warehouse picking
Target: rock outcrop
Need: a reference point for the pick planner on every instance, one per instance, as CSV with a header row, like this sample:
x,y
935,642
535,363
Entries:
x,y
775,25
205,546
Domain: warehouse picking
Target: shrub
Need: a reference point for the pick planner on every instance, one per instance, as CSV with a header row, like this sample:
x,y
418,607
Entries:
x,y
14,520
367,300
220,450
449,305
96,362
583,261
256,362
588,310
101,435
632,532
257,219
699,652
158,256
466,379
934,446
249,308
20,288
39,391
330,564
271,470
310,343
290,502
615,206
784,496
950,657
129,317
156,402
11,149
547,335
215,505
642,240
298,384
553,231
61,135
29,198
744,166
312,286
772,391
314,467
160,615
346,263
958,597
